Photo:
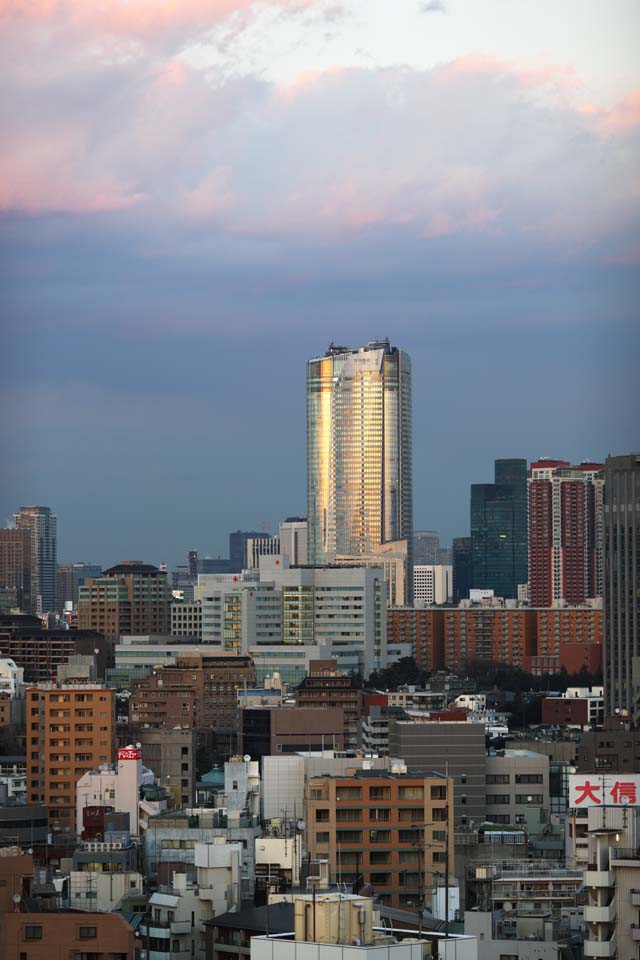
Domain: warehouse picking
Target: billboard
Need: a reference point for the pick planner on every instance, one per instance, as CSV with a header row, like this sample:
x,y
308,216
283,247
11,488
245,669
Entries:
x,y
130,753
604,790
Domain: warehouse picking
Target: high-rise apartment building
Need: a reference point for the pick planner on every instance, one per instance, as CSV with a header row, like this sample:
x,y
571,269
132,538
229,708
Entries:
x,y
16,565
566,516
130,598
359,448
622,585
499,530
69,577
41,524
70,730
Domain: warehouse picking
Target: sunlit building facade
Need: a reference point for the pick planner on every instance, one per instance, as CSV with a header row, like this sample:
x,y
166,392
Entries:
x,y
359,476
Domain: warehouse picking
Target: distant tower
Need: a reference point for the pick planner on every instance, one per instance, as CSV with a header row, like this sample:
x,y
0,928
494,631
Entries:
x,y
42,525
622,586
499,530
359,447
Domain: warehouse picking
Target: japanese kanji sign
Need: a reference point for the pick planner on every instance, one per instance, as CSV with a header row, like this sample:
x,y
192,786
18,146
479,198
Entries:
x,y
604,790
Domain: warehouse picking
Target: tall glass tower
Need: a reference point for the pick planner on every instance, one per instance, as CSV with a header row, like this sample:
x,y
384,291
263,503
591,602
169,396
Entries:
x,y
359,440
499,536
42,526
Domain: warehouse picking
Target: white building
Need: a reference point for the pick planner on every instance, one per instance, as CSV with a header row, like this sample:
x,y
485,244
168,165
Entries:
x,y
102,890
186,618
432,584
257,547
293,540
117,786
11,678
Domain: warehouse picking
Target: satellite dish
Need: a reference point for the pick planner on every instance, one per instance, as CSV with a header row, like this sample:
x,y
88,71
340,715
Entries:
x,y
138,745
246,758
300,825
17,898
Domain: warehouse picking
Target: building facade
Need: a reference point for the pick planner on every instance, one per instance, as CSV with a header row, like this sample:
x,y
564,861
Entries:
x,y
499,530
461,563
130,598
566,514
622,585
42,526
359,450
432,584
16,565
70,730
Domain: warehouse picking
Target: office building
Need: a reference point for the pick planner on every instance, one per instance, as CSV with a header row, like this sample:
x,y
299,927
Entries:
x,y
426,544
359,473
622,585
130,598
170,751
293,540
186,618
16,565
393,558
518,789
577,706
389,830
432,585
499,530
68,579
461,563
566,514
238,548
257,547
325,686
70,730
456,748
41,524
269,731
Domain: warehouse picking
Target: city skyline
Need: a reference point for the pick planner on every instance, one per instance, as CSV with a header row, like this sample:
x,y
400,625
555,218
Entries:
x,y
455,176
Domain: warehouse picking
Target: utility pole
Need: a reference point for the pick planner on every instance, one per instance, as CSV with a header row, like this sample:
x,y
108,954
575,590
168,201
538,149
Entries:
x,y
446,859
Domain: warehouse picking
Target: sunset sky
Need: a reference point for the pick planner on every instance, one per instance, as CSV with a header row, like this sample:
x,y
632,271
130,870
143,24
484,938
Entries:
x,y
197,196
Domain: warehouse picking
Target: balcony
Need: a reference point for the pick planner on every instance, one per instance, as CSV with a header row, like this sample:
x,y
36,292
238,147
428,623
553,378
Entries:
x,y
635,898
599,878
635,932
600,949
624,856
600,914
180,926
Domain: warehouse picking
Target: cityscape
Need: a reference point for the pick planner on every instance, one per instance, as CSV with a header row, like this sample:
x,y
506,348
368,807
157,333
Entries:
x,y
320,547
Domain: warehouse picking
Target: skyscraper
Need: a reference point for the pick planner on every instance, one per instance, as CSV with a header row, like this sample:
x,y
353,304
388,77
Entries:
x,y
499,530
41,523
622,585
130,598
426,544
565,532
15,565
359,476
461,551
238,547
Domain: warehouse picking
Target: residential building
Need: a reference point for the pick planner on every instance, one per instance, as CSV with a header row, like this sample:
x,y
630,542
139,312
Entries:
x,y
39,652
565,532
22,824
42,526
461,564
518,789
171,753
422,631
130,598
118,786
325,686
230,934
581,706
70,730
612,881
16,565
386,829
499,530
432,585
272,730
359,435
455,748
622,585
616,747
284,777
294,541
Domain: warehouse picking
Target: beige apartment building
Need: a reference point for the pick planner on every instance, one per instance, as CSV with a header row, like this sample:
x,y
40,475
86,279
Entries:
x,y
70,730
389,829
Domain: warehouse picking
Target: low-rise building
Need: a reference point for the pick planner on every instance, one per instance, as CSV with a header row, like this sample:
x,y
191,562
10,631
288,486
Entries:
x,y
577,706
117,787
326,686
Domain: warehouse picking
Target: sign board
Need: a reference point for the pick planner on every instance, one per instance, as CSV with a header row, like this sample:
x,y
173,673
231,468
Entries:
x,y
131,753
604,790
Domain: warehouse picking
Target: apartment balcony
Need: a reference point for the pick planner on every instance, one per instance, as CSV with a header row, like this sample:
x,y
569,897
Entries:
x,y
600,949
599,878
600,914
635,932
180,926
624,856
635,898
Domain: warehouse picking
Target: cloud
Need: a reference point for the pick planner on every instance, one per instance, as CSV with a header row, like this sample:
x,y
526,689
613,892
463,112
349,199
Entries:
x,y
478,147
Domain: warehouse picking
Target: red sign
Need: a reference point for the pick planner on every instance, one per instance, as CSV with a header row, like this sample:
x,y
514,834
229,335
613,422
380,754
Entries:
x,y
130,754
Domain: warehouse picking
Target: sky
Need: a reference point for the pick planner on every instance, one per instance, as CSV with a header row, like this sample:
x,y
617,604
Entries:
x,y
196,196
